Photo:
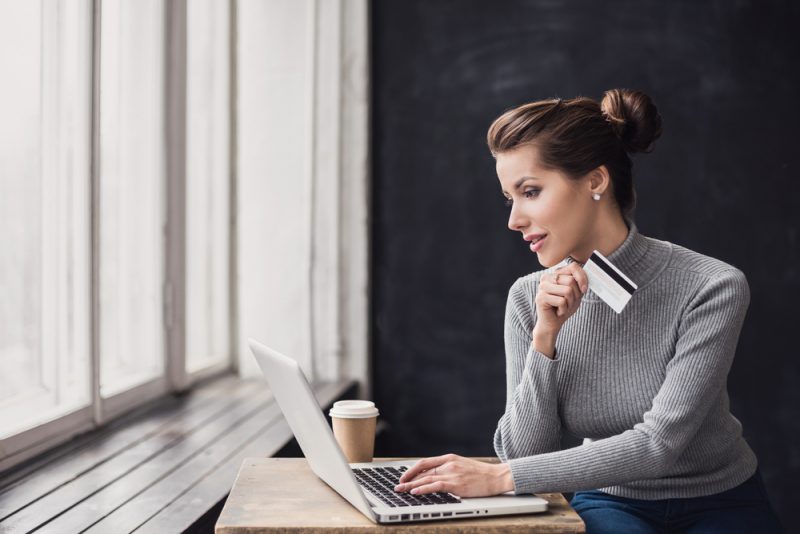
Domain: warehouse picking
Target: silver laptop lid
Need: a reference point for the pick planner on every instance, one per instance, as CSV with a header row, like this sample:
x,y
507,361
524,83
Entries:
x,y
297,402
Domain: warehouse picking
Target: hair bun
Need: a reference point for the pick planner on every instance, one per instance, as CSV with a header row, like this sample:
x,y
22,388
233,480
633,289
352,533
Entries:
x,y
634,117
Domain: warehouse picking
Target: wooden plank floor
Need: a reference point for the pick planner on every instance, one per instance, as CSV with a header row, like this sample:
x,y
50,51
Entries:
x,y
158,470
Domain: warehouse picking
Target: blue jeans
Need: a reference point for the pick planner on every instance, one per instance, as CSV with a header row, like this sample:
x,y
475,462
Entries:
x,y
745,509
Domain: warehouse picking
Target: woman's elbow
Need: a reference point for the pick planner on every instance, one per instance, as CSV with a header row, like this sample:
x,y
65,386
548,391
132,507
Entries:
x,y
499,448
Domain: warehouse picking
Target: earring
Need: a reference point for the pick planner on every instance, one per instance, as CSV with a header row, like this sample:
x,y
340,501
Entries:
x,y
596,196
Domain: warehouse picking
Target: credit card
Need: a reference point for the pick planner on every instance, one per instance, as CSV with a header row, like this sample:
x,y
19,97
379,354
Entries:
x,y
607,282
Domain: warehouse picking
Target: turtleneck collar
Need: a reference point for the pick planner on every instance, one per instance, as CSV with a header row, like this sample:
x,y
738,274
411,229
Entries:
x,y
639,257
626,256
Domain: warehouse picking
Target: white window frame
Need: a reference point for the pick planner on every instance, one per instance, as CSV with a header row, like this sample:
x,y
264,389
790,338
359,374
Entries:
x,y
338,92
24,445
333,221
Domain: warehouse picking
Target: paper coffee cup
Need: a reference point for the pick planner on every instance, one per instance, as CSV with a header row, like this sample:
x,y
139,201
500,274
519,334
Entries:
x,y
354,428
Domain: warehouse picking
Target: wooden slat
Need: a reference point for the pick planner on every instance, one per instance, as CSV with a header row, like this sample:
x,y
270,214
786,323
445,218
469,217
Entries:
x,y
189,491
109,443
69,458
172,443
146,499
162,469
180,514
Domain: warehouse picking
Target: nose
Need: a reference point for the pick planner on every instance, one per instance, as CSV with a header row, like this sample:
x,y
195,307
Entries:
x,y
516,221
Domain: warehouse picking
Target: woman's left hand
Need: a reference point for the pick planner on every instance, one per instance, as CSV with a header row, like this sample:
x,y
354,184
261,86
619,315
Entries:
x,y
457,475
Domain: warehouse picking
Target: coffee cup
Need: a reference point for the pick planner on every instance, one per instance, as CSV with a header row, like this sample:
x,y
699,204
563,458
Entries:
x,y
354,428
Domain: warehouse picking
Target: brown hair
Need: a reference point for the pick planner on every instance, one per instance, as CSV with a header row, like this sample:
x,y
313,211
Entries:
x,y
578,135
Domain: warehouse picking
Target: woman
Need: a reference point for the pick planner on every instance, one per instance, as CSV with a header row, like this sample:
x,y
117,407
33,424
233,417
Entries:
x,y
645,387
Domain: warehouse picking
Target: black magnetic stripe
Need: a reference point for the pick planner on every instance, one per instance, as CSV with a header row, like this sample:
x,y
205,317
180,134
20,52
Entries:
x,y
612,273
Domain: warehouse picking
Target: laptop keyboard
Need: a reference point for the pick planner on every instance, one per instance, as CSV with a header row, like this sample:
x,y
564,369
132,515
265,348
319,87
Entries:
x,y
380,481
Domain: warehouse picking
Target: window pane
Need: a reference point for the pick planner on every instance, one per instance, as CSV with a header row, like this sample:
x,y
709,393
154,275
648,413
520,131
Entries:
x,y
132,185
45,58
207,185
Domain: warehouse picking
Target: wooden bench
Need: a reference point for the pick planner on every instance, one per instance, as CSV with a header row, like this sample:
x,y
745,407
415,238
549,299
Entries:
x,y
166,467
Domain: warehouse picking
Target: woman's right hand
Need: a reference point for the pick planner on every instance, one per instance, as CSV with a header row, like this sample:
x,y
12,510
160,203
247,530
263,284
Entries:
x,y
558,296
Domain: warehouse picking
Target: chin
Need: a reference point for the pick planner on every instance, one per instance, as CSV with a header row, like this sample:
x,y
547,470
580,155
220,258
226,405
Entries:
x,y
551,260
544,262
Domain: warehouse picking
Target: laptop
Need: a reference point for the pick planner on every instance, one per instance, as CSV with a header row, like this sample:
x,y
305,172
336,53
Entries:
x,y
367,486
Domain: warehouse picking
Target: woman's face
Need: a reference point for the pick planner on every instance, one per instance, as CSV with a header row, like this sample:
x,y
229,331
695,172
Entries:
x,y
544,201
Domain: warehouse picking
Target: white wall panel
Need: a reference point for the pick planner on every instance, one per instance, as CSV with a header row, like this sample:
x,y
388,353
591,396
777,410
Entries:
x,y
274,129
302,163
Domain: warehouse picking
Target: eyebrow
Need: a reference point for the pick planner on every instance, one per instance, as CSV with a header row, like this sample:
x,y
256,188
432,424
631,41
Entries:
x,y
523,180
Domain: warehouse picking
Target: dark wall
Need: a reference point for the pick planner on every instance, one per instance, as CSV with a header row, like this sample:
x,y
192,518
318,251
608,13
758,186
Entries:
x,y
722,181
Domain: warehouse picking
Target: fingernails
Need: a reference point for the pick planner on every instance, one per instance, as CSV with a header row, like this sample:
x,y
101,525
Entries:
x,y
584,288
415,491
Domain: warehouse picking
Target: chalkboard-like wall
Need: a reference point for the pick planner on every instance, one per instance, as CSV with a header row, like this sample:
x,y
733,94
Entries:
x,y
723,180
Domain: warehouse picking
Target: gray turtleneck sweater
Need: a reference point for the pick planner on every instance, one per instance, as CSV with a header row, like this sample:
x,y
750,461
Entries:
x,y
646,389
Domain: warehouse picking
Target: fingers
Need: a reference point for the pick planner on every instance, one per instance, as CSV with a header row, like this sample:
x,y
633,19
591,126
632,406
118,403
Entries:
x,y
427,484
422,481
432,487
572,277
568,289
561,296
560,303
423,465
566,275
578,274
573,292
560,277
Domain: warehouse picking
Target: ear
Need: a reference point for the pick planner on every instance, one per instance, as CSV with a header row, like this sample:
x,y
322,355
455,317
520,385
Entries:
x,y
599,180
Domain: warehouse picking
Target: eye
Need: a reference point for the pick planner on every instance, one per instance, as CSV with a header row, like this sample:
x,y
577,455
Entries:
x,y
533,192
529,193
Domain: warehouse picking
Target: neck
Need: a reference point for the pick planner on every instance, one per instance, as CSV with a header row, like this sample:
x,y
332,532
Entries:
x,y
607,237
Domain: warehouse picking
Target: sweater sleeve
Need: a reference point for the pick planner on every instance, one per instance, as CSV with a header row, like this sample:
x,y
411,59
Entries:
x,y
707,337
530,424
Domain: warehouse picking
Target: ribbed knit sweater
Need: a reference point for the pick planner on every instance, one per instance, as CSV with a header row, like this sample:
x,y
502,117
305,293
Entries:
x,y
646,389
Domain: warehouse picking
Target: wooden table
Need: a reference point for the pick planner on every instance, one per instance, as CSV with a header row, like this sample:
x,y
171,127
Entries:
x,y
283,494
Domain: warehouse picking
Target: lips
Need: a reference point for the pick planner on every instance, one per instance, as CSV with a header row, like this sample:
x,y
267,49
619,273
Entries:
x,y
537,243
532,237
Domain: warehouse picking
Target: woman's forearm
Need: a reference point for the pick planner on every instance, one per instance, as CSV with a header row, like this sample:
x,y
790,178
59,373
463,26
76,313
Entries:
x,y
544,342
506,481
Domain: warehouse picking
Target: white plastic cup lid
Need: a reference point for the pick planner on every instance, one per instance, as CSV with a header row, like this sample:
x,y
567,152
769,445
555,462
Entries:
x,y
353,409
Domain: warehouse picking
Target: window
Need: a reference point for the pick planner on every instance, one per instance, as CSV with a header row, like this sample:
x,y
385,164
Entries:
x,y
131,183
85,184
207,178
123,274
44,198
